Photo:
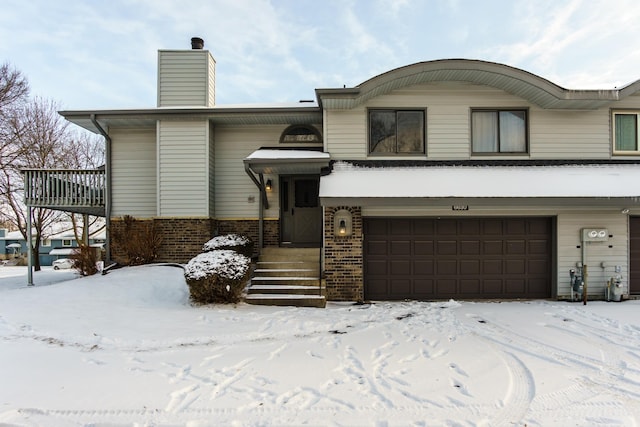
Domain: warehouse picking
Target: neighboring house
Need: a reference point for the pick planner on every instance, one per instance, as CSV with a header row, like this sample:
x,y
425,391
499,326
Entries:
x,y
60,245
442,179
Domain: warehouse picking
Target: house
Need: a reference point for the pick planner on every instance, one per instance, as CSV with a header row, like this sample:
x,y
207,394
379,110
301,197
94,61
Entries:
x,y
441,179
58,245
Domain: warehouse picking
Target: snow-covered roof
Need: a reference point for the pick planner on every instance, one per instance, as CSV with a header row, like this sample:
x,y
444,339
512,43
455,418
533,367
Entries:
x,y
271,154
566,181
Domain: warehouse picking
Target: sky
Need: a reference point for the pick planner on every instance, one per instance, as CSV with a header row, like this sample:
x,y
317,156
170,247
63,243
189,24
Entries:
x,y
102,54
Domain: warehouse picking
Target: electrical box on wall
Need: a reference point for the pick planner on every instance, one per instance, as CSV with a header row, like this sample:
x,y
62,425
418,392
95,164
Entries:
x,y
595,234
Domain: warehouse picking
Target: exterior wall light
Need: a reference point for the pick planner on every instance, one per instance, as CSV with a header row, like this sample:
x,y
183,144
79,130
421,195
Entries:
x,y
267,186
342,223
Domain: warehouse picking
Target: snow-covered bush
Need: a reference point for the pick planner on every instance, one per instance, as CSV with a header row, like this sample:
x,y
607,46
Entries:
x,y
217,276
236,242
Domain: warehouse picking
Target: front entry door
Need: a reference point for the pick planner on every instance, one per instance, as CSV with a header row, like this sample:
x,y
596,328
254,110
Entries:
x,y
301,213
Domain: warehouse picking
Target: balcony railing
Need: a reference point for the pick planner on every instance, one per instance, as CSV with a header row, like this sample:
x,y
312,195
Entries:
x,y
81,191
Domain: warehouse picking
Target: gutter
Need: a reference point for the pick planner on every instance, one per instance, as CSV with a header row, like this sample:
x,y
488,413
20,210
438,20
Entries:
x,y
107,194
263,204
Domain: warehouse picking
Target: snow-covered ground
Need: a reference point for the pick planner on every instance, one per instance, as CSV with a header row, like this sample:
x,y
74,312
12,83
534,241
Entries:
x,y
127,349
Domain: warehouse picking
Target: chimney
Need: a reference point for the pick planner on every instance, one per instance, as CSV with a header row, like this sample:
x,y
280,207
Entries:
x,y
197,43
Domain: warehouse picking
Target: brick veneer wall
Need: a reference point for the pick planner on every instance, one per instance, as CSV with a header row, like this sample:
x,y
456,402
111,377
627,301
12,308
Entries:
x,y
182,238
249,227
343,260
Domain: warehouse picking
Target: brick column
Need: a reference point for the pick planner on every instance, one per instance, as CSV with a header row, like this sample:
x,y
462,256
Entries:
x,y
343,260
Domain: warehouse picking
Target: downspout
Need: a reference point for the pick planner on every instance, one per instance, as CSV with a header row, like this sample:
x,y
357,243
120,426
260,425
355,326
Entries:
x,y
107,193
263,204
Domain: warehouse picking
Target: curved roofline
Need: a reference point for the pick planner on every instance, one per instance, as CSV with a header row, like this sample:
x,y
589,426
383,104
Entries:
x,y
518,82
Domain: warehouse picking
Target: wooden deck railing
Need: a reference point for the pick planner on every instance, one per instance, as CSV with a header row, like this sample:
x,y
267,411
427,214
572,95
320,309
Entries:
x,y
65,189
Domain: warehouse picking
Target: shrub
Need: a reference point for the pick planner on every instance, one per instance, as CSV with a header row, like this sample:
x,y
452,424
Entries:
x,y
85,260
217,276
139,241
236,242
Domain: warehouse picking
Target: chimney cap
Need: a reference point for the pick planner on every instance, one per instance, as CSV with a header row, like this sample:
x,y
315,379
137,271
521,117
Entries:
x,y
197,43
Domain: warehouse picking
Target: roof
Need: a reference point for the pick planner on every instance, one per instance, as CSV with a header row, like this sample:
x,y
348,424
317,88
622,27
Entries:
x,y
523,84
250,114
273,161
413,182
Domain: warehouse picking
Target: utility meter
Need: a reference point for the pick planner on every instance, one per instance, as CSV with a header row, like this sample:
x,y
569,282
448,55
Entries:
x,y
595,234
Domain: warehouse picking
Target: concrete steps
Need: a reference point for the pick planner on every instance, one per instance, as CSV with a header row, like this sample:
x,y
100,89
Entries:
x,y
287,277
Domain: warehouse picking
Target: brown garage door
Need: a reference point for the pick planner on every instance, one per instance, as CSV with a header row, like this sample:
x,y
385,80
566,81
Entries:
x,y
430,258
634,255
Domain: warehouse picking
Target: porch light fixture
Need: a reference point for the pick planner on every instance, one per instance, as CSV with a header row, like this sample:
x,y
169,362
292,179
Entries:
x,y
268,185
342,223
624,211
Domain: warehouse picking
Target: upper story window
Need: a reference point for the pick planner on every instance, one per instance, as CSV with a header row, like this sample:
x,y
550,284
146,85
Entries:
x,y
396,131
66,242
300,134
625,132
498,131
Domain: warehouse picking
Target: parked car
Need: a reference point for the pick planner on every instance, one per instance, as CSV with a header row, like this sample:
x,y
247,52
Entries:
x,y
62,263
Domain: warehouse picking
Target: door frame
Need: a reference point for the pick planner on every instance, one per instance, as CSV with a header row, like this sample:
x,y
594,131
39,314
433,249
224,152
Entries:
x,y
287,202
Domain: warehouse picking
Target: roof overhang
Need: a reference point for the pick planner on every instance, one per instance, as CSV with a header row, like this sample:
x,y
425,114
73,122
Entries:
x,y
385,186
287,114
523,84
287,162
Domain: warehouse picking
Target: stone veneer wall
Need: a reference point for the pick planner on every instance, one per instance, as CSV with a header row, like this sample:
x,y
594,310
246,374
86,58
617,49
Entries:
x,y
343,260
182,238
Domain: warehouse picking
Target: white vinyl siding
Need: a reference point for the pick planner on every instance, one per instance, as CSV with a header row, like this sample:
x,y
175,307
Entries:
x,y
133,172
234,188
186,78
569,226
183,162
564,134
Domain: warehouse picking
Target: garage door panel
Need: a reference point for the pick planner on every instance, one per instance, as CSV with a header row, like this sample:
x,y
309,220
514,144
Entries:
x,y
492,247
470,266
424,288
424,227
470,247
492,287
401,248
515,287
538,247
400,287
376,226
377,247
446,267
377,267
400,267
447,247
492,266
516,247
423,247
423,267
400,227
430,258
470,287
515,266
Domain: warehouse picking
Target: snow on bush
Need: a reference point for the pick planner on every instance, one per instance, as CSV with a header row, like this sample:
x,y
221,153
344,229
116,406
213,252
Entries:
x,y
217,276
237,242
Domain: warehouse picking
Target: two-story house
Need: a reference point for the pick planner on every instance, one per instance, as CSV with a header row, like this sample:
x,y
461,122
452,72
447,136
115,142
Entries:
x,y
442,179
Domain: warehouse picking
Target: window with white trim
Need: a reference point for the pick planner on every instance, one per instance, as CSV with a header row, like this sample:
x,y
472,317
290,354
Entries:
x,y
625,132
66,242
499,131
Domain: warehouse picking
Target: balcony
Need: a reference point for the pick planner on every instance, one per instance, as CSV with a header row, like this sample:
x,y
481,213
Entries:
x,y
78,191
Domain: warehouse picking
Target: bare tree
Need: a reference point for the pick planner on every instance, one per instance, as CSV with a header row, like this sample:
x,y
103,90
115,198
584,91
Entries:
x,y
40,140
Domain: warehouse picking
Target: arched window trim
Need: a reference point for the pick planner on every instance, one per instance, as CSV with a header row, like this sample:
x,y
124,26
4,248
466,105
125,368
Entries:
x,y
311,131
